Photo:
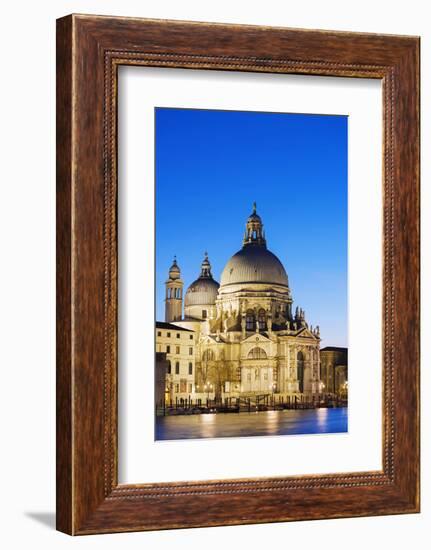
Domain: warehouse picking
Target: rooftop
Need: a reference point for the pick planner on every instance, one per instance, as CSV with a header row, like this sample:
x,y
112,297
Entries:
x,y
161,324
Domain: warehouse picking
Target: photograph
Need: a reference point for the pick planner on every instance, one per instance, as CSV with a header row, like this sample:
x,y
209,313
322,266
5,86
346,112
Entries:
x,y
251,320
212,309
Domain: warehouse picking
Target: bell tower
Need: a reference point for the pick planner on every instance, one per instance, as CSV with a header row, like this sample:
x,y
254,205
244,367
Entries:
x,y
174,294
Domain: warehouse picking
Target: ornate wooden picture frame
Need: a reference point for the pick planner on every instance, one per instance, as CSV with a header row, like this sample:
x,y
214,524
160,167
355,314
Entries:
x,y
89,51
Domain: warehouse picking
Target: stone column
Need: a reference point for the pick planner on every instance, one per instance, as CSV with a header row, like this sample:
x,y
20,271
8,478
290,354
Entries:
x,y
314,379
245,382
287,383
282,368
294,367
270,376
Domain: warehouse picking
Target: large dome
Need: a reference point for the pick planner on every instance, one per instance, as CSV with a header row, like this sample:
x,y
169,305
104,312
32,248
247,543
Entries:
x,y
202,292
254,264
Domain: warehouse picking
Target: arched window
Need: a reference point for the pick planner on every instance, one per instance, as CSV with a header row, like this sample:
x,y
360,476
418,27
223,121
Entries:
x,y
261,318
250,320
300,370
257,353
208,355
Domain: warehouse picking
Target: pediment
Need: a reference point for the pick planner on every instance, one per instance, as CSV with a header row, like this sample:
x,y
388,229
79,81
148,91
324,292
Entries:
x,y
305,333
210,339
256,339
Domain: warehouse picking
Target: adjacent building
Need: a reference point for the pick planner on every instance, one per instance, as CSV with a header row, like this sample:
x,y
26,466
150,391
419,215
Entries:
x,y
333,369
178,345
161,372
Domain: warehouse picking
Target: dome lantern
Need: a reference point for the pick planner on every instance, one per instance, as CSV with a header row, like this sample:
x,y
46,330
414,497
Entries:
x,y
254,234
206,268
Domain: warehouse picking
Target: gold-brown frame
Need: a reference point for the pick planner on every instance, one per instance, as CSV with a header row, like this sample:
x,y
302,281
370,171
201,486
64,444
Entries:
x,y
89,51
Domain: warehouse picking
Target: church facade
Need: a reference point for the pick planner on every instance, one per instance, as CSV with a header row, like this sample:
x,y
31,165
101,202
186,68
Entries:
x,y
248,339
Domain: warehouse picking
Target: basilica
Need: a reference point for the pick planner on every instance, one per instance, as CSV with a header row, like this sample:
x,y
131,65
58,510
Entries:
x,y
247,338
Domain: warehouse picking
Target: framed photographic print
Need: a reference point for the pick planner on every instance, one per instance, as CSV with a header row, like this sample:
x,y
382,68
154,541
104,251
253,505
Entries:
x,y
238,274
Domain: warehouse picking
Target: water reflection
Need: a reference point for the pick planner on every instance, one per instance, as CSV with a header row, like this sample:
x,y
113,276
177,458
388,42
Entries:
x,y
272,422
287,422
322,416
209,425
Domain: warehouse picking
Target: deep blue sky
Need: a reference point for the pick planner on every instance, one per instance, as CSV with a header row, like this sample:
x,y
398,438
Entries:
x,y
210,167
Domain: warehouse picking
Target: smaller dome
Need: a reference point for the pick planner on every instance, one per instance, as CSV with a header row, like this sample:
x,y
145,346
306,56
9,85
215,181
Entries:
x,y
203,291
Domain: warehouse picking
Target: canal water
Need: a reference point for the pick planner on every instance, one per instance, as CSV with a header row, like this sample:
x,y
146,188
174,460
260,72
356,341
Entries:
x,y
285,422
